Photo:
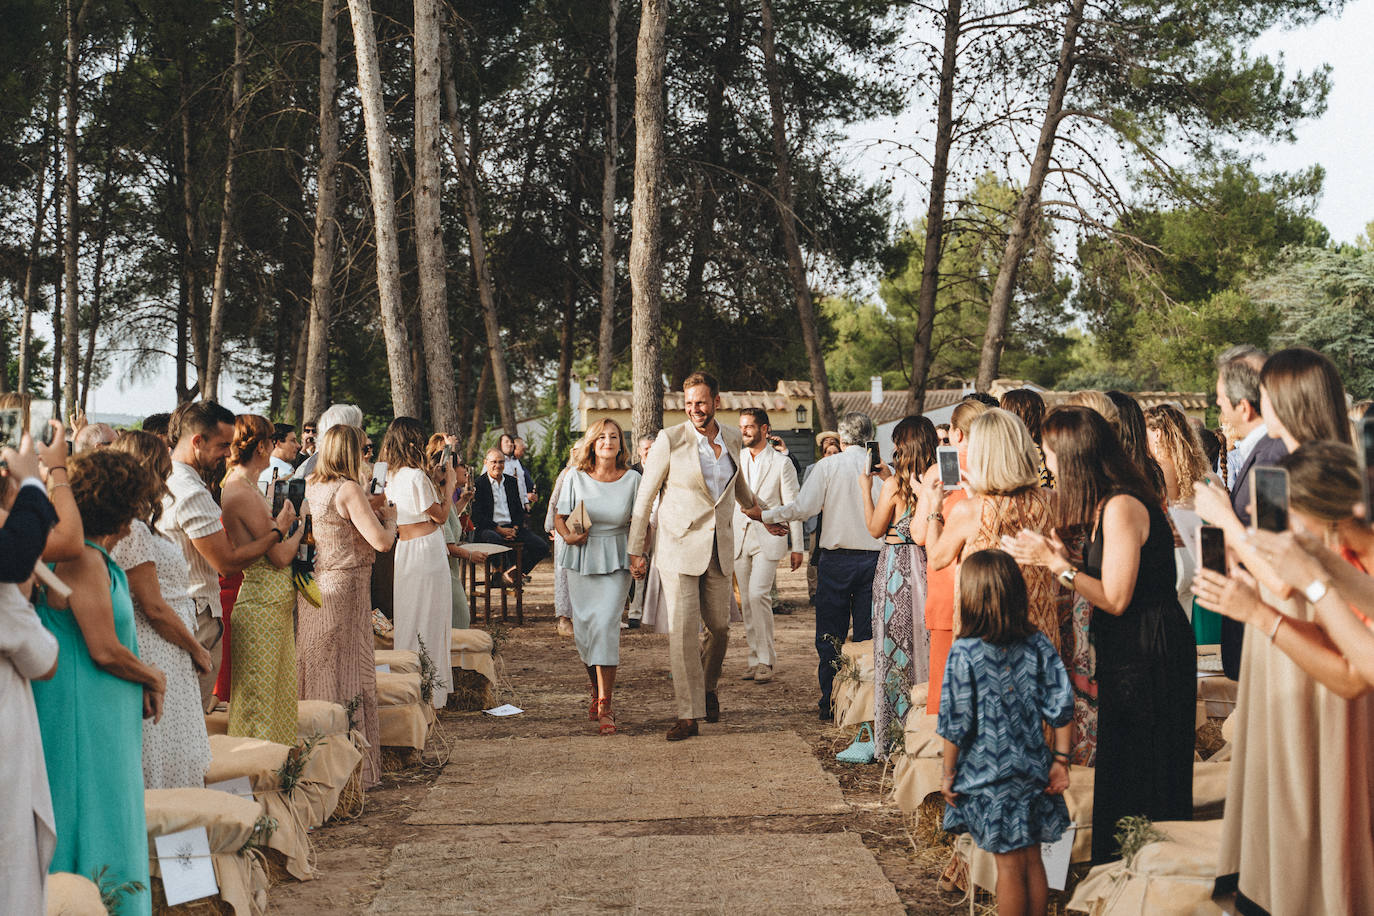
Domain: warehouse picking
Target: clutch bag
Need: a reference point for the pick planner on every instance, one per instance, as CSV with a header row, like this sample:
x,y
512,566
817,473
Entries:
x,y
578,521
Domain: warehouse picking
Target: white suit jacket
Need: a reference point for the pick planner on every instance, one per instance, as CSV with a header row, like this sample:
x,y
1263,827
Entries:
x,y
690,519
774,484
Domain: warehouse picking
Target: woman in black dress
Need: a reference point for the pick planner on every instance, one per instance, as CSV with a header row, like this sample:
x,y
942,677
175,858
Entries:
x,y
1146,657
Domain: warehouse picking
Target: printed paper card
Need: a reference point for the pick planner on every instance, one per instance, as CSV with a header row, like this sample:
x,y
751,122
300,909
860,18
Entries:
x,y
184,860
504,710
1056,858
239,785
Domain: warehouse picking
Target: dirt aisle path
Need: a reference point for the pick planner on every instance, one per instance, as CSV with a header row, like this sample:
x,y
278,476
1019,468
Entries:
x,y
536,813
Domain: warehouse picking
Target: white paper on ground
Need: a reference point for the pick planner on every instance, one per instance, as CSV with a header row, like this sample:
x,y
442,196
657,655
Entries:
x,y
239,785
383,669
1056,858
184,860
504,710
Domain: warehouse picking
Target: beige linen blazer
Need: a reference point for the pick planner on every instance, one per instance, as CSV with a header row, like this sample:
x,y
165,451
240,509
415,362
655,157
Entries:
x,y
775,485
689,518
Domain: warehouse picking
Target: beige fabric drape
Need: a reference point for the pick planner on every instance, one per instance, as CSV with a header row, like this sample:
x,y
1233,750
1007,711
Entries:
x,y
73,895
1172,876
854,701
471,651
232,757
401,661
402,718
1298,825
229,821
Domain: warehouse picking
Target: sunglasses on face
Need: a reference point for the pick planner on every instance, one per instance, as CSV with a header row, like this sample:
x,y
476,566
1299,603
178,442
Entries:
x,y
367,450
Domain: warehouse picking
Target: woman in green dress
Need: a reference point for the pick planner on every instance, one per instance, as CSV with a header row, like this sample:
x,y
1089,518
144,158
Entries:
x,y
263,686
91,712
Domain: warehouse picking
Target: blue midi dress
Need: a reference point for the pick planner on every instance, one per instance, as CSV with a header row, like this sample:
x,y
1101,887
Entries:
x,y
599,570
992,704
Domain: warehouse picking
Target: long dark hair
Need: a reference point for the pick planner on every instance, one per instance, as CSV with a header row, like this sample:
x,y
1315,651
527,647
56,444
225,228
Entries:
x,y
1135,440
1307,395
1092,465
913,451
993,600
403,446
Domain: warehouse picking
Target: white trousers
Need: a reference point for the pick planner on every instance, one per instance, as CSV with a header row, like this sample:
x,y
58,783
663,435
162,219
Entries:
x,y
755,574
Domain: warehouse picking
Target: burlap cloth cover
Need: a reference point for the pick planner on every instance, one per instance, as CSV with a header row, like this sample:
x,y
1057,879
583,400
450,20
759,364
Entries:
x,y
471,650
332,762
854,701
217,723
402,716
228,820
1209,792
260,761
1175,875
381,641
916,771
73,895
401,661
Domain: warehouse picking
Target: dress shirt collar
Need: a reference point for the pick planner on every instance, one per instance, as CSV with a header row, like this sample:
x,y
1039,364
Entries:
x,y
1247,445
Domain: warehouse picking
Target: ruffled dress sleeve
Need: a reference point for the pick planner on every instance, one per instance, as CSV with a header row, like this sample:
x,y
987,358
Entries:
x,y
957,722
1054,691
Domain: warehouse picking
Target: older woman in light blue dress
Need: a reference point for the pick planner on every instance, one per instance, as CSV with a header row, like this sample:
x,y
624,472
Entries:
x,y
597,559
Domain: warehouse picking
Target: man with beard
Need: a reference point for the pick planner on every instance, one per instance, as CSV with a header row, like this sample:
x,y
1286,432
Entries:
x,y
773,480
202,431
695,466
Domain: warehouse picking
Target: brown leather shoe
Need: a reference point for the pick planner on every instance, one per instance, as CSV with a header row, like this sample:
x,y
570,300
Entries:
x,y
683,728
712,707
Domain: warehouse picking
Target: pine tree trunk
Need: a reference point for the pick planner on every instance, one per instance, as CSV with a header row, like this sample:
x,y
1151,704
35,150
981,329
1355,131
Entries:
x,y
326,230
190,328
921,355
69,337
1028,207
796,266
467,178
646,243
429,242
605,358
41,201
214,363
295,405
405,399
479,408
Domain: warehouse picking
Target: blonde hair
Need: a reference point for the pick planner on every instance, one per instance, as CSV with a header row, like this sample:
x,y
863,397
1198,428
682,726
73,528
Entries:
x,y
965,412
341,455
584,453
1098,402
1180,445
1002,458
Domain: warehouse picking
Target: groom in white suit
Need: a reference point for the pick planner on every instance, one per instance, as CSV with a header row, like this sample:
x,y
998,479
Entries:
x,y
694,469
773,480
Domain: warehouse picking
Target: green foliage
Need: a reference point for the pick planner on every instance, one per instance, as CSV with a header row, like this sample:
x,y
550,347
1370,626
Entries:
x,y
1165,292
1325,300
871,339
1134,834
112,894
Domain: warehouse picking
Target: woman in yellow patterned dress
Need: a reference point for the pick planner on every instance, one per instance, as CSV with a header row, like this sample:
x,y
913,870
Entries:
x,y
263,646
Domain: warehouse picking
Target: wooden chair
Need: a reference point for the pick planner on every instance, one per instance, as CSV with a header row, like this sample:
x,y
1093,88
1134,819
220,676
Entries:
x,y
494,561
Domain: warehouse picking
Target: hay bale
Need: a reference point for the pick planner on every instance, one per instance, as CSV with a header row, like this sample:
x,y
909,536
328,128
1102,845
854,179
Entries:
x,y
471,691
397,759
351,798
205,906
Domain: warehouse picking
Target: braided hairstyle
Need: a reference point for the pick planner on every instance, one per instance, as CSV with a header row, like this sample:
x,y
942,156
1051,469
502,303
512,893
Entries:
x,y
250,432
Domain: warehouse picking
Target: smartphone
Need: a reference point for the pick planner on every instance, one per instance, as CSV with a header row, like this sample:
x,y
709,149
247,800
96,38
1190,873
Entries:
x,y
446,457
1269,491
1211,548
378,478
875,456
40,430
268,488
1364,441
278,496
948,458
11,427
295,492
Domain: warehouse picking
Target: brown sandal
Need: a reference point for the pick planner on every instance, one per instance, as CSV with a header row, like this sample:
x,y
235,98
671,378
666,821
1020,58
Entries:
x,y
604,712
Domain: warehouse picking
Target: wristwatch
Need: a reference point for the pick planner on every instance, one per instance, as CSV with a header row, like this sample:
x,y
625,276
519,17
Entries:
x,y
1066,578
1316,591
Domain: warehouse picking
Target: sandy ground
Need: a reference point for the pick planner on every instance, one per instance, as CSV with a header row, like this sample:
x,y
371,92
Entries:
x,y
393,850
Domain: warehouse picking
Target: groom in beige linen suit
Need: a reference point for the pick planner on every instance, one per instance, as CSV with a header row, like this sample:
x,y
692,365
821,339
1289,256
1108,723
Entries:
x,y
695,466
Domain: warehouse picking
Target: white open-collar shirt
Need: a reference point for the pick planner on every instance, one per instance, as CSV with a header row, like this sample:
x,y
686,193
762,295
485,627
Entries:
x,y
716,471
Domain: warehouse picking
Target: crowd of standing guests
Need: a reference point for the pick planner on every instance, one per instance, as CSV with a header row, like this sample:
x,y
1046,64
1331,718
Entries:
x,y
173,585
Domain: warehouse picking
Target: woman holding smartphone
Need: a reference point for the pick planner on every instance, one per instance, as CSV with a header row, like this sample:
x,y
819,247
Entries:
x,y
1302,777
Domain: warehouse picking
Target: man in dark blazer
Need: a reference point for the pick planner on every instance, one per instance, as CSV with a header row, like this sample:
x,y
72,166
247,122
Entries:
x,y
1238,400
498,515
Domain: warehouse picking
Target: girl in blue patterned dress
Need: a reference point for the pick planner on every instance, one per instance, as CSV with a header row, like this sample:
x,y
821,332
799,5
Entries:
x,y
1002,782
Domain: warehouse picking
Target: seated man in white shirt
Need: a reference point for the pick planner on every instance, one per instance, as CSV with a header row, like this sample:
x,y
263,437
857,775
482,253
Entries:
x,y
498,514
